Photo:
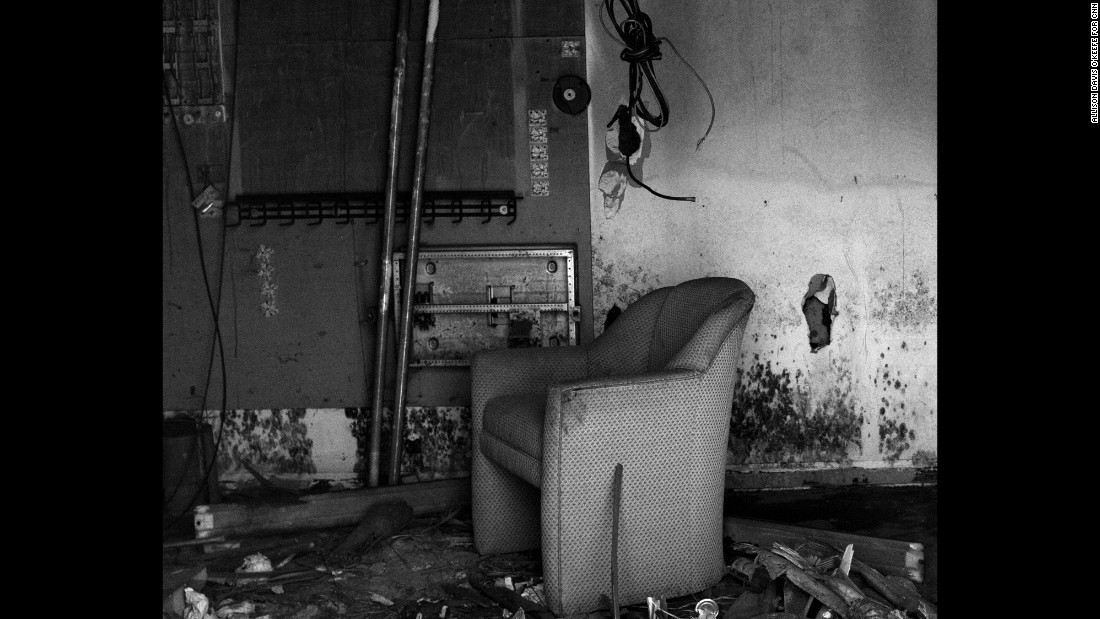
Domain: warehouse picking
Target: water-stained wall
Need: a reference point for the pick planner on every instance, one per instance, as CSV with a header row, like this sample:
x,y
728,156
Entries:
x,y
821,161
297,446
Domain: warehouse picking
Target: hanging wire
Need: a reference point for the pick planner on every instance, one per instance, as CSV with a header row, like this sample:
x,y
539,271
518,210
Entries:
x,y
218,341
641,49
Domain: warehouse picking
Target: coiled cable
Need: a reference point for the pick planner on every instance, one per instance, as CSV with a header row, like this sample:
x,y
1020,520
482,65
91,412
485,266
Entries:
x,y
642,47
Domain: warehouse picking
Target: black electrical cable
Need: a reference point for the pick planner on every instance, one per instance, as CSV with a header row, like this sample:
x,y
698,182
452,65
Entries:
x,y
650,189
217,340
701,82
643,46
187,173
202,261
641,49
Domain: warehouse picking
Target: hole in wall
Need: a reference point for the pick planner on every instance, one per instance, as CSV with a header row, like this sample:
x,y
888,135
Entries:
x,y
819,307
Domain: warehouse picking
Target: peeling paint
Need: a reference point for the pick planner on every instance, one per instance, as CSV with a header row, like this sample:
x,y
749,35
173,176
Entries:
x,y
777,422
612,185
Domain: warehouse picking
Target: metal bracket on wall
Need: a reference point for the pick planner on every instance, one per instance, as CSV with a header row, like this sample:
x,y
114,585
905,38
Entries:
x,y
490,296
343,207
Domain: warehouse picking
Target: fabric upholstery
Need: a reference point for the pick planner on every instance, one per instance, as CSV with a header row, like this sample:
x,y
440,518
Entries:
x,y
654,392
512,433
504,506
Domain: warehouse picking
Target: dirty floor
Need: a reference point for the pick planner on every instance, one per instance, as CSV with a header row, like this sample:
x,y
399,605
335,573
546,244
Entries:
x,y
430,564
904,513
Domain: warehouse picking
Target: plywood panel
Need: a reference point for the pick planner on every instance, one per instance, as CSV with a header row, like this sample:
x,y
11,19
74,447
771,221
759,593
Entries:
x,y
294,22
312,114
310,351
561,217
290,106
187,326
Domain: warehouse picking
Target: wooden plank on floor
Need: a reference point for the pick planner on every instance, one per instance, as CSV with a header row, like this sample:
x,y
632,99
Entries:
x,y
891,557
334,509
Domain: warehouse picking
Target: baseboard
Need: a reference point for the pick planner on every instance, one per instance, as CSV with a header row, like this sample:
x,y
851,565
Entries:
x,y
790,479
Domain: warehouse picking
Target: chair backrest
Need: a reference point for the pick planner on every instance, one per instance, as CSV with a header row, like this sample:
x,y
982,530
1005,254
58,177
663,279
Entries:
x,y
679,326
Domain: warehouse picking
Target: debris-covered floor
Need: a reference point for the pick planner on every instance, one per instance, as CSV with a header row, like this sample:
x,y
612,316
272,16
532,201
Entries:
x,y
426,567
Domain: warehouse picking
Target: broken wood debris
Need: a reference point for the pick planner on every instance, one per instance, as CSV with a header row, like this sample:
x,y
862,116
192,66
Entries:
x,y
174,582
828,587
191,542
265,482
506,595
333,509
891,557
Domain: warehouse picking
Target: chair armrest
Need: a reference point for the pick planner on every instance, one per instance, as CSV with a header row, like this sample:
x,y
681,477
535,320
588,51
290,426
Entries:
x,y
636,406
669,430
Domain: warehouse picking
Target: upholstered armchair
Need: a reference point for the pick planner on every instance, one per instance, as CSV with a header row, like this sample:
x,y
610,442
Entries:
x,y
653,392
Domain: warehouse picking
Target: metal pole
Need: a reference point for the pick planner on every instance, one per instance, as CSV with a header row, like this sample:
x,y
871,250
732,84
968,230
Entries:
x,y
408,285
616,499
384,284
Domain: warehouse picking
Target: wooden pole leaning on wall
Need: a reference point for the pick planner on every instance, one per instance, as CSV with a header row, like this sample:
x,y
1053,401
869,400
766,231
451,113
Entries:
x,y
408,285
385,283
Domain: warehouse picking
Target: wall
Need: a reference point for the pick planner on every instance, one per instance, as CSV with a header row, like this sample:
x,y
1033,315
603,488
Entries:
x,y
821,160
313,95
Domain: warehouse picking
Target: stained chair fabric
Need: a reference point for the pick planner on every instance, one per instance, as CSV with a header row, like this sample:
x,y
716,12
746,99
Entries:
x,y
654,392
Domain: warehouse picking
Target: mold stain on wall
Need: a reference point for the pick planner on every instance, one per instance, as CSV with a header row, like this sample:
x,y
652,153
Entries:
x,y
905,405
613,285
272,440
436,442
360,427
776,421
894,438
905,304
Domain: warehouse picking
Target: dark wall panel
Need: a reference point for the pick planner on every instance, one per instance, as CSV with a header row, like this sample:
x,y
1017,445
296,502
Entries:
x,y
293,22
312,113
291,109
310,351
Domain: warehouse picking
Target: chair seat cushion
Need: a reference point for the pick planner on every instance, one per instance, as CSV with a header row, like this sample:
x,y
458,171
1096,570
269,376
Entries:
x,y
511,434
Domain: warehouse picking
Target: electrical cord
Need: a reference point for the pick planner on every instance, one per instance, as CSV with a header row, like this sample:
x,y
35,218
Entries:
x,y
629,143
702,83
641,49
206,281
217,340
651,190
